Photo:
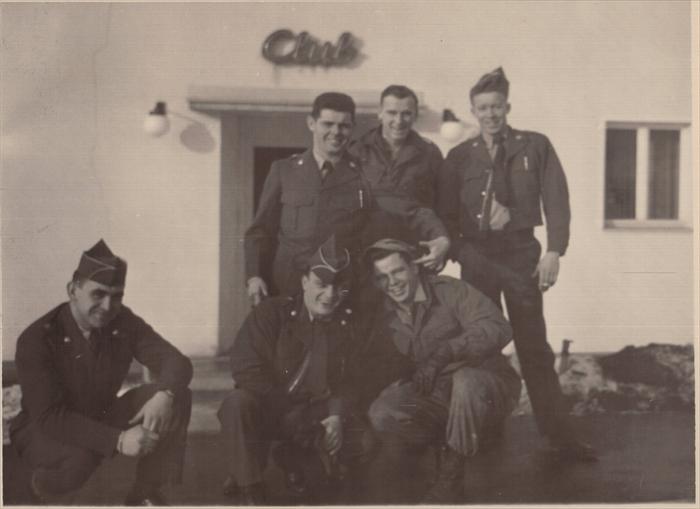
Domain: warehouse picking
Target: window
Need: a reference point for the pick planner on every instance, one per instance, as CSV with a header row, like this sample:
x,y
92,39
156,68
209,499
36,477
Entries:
x,y
643,173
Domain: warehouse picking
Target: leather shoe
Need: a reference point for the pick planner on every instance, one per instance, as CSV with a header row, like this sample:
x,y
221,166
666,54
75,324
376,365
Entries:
x,y
575,451
253,494
149,499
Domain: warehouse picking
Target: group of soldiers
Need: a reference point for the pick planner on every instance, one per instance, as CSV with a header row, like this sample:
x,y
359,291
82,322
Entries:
x,y
354,345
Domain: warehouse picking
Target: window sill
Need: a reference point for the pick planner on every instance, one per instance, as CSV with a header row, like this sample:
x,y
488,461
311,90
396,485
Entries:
x,y
648,224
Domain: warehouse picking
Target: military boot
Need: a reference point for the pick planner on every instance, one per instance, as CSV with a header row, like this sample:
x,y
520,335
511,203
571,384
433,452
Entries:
x,y
449,485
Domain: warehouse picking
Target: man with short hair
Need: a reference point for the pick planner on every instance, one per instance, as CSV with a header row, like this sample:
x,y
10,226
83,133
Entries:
x,y
289,363
397,161
438,341
71,364
308,197
491,190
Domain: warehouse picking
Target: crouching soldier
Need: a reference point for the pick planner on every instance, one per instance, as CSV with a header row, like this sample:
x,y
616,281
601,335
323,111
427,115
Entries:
x,y
439,341
288,363
71,364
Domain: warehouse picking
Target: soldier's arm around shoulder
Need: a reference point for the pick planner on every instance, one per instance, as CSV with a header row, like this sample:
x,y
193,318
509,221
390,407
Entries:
x,y
173,370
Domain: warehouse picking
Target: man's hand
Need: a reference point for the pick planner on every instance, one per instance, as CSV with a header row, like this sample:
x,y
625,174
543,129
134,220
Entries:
x,y
428,371
548,270
137,441
156,414
333,439
437,251
424,378
257,290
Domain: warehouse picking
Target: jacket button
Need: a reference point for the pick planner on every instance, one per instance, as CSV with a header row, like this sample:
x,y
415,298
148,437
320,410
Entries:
x,y
483,193
478,216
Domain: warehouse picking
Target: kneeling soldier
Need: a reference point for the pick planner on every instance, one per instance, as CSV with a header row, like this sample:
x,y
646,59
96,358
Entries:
x,y
288,363
438,340
72,362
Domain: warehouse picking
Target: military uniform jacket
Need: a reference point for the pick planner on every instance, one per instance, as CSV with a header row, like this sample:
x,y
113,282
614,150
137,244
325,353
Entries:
x,y
272,343
412,174
298,212
537,181
454,314
69,382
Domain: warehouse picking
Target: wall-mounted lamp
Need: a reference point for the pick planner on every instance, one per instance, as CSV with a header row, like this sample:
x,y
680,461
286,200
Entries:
x,y
451,129
157,123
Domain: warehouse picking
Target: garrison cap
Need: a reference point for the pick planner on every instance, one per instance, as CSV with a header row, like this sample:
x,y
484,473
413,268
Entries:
x,y
99,264
494,81
330,261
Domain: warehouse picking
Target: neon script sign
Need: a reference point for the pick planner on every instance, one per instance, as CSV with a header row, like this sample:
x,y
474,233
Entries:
x,y
284,47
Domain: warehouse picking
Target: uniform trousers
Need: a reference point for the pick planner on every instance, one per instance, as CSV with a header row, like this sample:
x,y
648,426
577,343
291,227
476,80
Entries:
x,y
249,427
505,263
61,468
463,406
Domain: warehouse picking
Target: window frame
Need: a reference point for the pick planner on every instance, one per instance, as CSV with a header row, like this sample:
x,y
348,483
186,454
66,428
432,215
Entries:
x,y
642,176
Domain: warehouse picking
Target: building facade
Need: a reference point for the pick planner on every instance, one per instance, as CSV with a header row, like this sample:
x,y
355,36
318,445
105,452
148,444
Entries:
x,y
610,83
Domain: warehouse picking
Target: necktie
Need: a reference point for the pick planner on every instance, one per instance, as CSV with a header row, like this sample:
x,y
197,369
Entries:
x,y
500,173
326,169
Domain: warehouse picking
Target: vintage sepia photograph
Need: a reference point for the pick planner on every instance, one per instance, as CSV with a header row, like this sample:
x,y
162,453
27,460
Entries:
x,y
438,253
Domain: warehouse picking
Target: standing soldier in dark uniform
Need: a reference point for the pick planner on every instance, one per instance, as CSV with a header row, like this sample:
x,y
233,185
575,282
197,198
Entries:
x,y
490,191
308,197
397,161
288,363
72,362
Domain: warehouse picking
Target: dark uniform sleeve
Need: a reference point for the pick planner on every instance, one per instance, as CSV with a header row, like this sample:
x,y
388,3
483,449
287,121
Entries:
x,y
485,331
253,353
448,195
172,369
43,398
261,236
555,200
429,191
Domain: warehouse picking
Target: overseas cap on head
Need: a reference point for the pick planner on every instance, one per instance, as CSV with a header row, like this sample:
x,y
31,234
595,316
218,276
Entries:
x,y
99,264
330,261
494,81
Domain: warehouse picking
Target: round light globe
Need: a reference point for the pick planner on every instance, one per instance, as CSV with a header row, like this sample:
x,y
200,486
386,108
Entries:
x,y
451,131
156,124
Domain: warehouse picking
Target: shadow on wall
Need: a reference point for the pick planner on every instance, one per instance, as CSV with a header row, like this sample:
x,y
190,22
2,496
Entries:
x,y
197,138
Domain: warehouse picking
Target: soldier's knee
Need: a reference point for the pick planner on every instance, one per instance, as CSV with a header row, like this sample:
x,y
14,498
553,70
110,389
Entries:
x,y
467,383
381,416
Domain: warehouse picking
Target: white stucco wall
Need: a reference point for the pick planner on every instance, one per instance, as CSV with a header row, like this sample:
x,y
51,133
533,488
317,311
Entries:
x,y
77,80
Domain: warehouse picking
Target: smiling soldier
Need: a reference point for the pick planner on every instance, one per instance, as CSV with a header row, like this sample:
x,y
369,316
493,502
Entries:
x,y
308,197
289,361
397,161
437,342
71,364
492,189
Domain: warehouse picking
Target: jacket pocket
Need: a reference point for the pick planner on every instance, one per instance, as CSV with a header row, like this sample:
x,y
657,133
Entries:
x,y
298,213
